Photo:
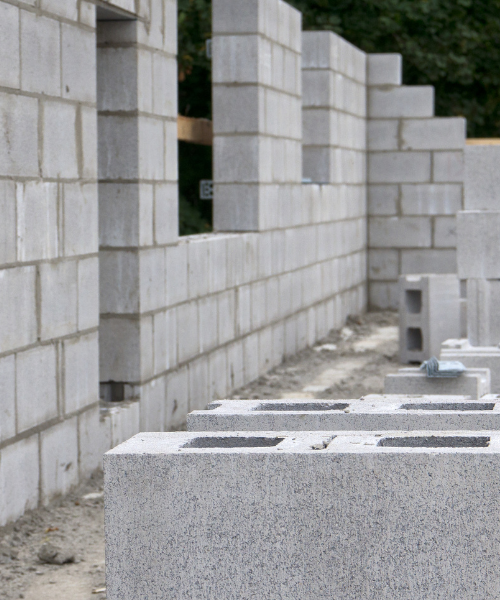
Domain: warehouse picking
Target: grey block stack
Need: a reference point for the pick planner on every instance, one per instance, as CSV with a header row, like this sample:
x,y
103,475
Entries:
x,y
474,383
313,516
429,314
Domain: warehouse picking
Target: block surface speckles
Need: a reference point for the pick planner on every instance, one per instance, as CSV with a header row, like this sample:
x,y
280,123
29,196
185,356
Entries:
x,y
303,516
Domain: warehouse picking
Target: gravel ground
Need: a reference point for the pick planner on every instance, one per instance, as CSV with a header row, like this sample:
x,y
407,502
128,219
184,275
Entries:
x,y
346,364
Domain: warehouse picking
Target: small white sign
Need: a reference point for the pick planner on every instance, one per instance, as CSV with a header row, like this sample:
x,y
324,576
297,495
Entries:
x,y
206,189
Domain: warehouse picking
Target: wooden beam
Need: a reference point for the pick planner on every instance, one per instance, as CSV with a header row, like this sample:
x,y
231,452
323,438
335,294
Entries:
x,y
196,131
483,142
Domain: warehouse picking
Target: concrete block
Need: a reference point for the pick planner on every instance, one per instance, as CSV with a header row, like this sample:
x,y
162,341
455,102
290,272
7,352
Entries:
x,y
428,261
177,398
164,85
401,102
483,316
237,16
433,199
241,59
235,366
118,142
146,348
152,279
93,441
429,310
78,63
18,136
156,503
251,357
217,266
119,349
383,264
152,148
117,78
58,299
372,413
198,267
18,324
7,397
383,134
67,9
88,118
166,213
152,405
448,167
399,167
445,232
40,54
383,295
19,478
217,374
8,224
383,199
119,214
198,383
474,357
59,141
237,109
176,267
87,13
227,316
433,134
481,189
88,293
59,459
80,219
400,232
171,150
124,422
384,69
208,322
236,207
478,234
9,52
36,378
187,330
81,372
474,383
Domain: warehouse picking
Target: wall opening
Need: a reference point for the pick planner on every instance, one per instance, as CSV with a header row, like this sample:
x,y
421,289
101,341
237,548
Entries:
x,y
413,300
414,339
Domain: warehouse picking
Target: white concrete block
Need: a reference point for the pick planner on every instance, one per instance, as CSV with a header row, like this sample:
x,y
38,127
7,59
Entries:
x,y
198,267
88,118
384,69
164,85
171,151
433,134
251,357
485,357
177,397
18,136
58,299
241,59
18,324
448,167
36,387
237,16
477,248
400,102
8,223
483,315
151,148
383,295
78,63
165,340
217,265
40,54
7,397
117,79
59,459
146,348
474,383
59,141
400,232
87,13
383,199
81,372
217,374
445,232
208,322
9,51
433,199
383,134
80,219
399,167
481,189
227,316
19,479
166,213
235,366
93,441
198,383
152,405
176,267
124,423
118,142
88,293
151,277
67,9
187,330
428,261
383,264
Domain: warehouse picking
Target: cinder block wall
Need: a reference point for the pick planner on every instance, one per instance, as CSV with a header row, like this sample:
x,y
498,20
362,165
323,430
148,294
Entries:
x,y
415,181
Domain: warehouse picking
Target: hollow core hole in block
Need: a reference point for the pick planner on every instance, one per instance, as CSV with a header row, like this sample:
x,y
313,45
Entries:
x,y
233,442
413,299
301,406
434,441
414,338
449,406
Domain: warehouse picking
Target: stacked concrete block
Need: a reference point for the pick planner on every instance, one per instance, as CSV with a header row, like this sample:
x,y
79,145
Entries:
x,y
373,413
429,314
415,177
310,489
474,383
257,112
486,357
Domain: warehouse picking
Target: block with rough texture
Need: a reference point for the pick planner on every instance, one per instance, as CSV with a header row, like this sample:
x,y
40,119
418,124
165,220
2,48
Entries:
x,y
482,178
474,383
429,313
478,235
372,413
311,490
474,357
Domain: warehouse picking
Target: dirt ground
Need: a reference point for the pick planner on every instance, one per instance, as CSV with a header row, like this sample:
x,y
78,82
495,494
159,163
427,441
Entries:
x,y
348,363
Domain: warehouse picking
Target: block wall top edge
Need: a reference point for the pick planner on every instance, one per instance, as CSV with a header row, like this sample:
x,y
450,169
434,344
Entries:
x,y
321,443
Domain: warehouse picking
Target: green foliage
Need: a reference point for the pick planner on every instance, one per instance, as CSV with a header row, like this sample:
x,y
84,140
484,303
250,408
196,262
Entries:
x,y
453,45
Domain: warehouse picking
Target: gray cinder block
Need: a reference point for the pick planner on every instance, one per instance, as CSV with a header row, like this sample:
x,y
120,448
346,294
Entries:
x,y
375,413
475,357
483,312
482,178
478,240
474,383
385,69
306,515
429,314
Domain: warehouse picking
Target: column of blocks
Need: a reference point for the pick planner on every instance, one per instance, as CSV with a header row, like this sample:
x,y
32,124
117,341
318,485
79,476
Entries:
x,y
257,112
429,314
414,181
371,413
311,490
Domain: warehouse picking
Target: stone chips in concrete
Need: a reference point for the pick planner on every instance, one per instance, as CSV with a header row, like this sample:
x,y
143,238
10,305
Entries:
x,y
309,516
